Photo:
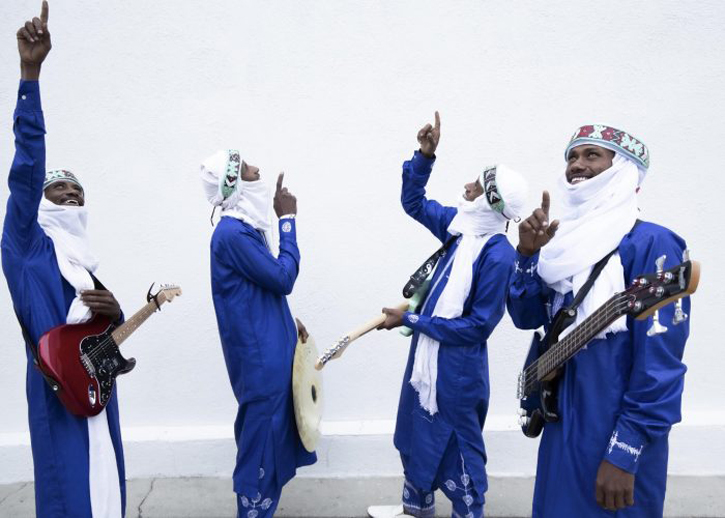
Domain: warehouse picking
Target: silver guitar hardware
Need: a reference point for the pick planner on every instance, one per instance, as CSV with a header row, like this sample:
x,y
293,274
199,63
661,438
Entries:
x,y
680,315
657,328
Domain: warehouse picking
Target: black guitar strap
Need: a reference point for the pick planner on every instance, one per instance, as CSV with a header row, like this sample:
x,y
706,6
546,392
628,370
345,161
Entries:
x,y
593,276
34,351
422,273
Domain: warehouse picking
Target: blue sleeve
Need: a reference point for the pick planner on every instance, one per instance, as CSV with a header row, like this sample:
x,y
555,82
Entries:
x,y
488,306
27,172
431,214
651,404
250,258
527,297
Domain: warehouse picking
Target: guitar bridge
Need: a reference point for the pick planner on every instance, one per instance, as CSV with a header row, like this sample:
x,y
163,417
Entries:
x,y
88,365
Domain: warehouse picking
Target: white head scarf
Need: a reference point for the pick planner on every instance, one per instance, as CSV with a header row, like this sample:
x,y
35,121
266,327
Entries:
x,y
66,225
224,187
595,215
504,197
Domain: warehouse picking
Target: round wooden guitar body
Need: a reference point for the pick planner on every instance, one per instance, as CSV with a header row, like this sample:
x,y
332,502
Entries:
x,y
307,393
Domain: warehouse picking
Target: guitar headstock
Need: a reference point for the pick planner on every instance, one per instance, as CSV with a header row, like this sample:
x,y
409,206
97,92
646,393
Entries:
x,y
650,292
167,292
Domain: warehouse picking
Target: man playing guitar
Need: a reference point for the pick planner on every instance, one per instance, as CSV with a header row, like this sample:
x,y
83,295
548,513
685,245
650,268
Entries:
x,y
618,397
444,397
78,462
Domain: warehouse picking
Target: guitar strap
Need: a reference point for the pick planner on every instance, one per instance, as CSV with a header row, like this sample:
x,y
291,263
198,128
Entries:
x,y
595,273
34,348
422,273
34,351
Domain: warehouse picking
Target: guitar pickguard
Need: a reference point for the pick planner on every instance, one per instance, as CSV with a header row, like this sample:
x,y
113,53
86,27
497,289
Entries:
x,y
103,361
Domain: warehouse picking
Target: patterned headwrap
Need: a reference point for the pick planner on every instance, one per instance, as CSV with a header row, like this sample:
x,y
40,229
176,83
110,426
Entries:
x,y
60,175
220,174
505,190
613,139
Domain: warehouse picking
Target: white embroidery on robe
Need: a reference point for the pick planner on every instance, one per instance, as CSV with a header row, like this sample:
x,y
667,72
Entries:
x,y
466,481
613,442
256,502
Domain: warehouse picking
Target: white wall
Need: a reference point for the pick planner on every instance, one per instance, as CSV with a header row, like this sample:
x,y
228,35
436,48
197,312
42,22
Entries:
x,y
137,93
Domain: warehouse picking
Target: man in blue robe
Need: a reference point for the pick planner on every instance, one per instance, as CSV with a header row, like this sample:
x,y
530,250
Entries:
x,y
78,462
258,334
618,397
444,398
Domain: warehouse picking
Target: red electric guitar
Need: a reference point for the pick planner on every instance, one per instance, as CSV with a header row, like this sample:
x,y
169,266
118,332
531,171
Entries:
x,y
81,361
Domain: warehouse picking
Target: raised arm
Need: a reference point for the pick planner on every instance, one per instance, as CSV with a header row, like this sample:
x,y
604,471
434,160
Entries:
x,y
527,297
250,257
416,172
27,172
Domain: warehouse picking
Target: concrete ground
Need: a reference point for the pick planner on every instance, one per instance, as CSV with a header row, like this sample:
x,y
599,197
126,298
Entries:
x,y
333,497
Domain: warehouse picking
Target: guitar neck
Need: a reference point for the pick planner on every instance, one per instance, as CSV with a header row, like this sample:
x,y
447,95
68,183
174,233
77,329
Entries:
x,y
558,354
126,329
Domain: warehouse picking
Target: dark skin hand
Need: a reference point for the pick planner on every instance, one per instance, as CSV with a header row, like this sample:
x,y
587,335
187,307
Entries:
x,y
583,163
302,331
102,302
34,45
614,487
428,137
393,318
535,231
284,202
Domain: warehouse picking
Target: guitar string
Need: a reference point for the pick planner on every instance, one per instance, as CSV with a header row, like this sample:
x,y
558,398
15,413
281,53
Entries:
x,y
569,348
580,337
548,361
595,317
586,325
101,348
570,345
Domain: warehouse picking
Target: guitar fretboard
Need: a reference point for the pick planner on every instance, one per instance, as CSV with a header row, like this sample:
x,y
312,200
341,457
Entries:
x,y
132,324
564,349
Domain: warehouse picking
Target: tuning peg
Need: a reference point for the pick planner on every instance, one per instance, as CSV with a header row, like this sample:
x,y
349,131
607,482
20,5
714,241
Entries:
x,y
680,315
660,263
657,328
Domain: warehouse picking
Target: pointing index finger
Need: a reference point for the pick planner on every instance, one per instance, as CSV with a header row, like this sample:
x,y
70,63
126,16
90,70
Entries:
x,y
438,121
280,179
545,202
44,12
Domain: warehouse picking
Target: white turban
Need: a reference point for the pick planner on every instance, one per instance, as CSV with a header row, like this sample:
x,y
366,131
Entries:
x,y
221,176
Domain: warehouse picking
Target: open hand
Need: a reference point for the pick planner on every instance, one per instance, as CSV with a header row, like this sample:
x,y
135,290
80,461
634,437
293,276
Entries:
x,y
102,302
302,331
536,231
284,202
614,487
428,137
393,318
34,44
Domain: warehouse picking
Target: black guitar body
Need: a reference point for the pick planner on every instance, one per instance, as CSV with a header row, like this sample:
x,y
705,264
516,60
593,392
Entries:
x,y
541,406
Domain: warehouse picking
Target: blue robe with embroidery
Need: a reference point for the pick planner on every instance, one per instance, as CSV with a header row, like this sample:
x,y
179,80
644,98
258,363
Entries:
x,y
258,335
618,397
462,386
41,297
